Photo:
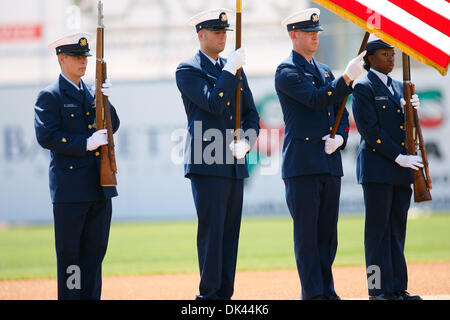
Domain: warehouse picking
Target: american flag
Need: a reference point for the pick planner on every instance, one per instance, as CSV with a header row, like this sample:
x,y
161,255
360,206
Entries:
x,y
419,28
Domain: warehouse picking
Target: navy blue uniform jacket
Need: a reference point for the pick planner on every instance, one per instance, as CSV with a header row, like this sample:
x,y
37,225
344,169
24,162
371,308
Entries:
x,y
64,119
209,99
310,99
380,121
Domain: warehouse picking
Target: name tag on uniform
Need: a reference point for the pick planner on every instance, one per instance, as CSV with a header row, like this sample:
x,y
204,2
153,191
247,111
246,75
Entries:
x,y
71,106
381,98
211,76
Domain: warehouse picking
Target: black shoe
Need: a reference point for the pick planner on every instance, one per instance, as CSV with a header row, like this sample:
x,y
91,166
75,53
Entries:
x,y
319,297
334,297
406,296
386,296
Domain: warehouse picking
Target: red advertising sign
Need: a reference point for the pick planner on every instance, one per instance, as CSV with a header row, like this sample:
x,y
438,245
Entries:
x,y
13,32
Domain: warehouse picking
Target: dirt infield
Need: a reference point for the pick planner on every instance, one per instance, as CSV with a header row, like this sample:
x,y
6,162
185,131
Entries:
x,y
430,280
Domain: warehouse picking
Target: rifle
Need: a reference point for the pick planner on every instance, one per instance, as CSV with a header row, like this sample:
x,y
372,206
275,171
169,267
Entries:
x,y
237,116
108,168
414,138
344,101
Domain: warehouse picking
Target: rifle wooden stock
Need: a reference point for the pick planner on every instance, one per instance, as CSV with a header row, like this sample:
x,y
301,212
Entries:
x,y
422,148
237,116
344,101
108,168
422,185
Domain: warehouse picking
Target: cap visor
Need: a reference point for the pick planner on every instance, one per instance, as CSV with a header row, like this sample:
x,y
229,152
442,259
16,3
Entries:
x,y
371,48
311,29
217,29
78,54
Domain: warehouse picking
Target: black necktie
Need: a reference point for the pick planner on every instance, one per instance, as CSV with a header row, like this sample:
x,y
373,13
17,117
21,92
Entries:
x,y
83,94
218,66
389,81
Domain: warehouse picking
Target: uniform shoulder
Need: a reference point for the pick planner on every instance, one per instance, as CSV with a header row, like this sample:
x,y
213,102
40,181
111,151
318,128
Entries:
x,y
287,63
363,82
192,62
286,66
364,87
51,90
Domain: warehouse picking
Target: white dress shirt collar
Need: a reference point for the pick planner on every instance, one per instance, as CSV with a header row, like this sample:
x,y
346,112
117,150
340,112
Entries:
x,y
384,78
211,59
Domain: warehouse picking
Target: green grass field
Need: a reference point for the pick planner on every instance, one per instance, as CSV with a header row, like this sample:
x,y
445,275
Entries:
x,y
170,247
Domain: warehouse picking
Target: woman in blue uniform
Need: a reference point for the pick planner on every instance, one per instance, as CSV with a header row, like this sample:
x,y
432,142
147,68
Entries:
x,y
385,171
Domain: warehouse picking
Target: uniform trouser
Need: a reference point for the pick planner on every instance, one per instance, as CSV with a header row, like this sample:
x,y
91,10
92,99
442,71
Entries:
x,y
313,202
218,201
81,239
384,236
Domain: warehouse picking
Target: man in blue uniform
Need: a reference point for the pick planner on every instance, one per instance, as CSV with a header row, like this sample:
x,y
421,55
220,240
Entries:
x,y
214,162
384,170
310,97
65,124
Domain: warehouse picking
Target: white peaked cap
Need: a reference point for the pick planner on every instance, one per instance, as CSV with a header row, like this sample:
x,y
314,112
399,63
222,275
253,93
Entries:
x,y
303,15
70,39
208,15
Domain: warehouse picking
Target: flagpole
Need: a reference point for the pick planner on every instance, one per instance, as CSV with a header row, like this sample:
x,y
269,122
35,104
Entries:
x,y
237,116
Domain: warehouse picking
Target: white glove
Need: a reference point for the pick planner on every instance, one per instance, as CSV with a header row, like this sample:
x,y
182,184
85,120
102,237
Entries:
x,y
98,138
402,104
332,144
409,161
355,67
235,60
106,88
414,101
240,148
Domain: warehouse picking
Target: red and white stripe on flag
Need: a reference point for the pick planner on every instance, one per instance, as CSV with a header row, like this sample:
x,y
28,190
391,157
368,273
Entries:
x,y
420,28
